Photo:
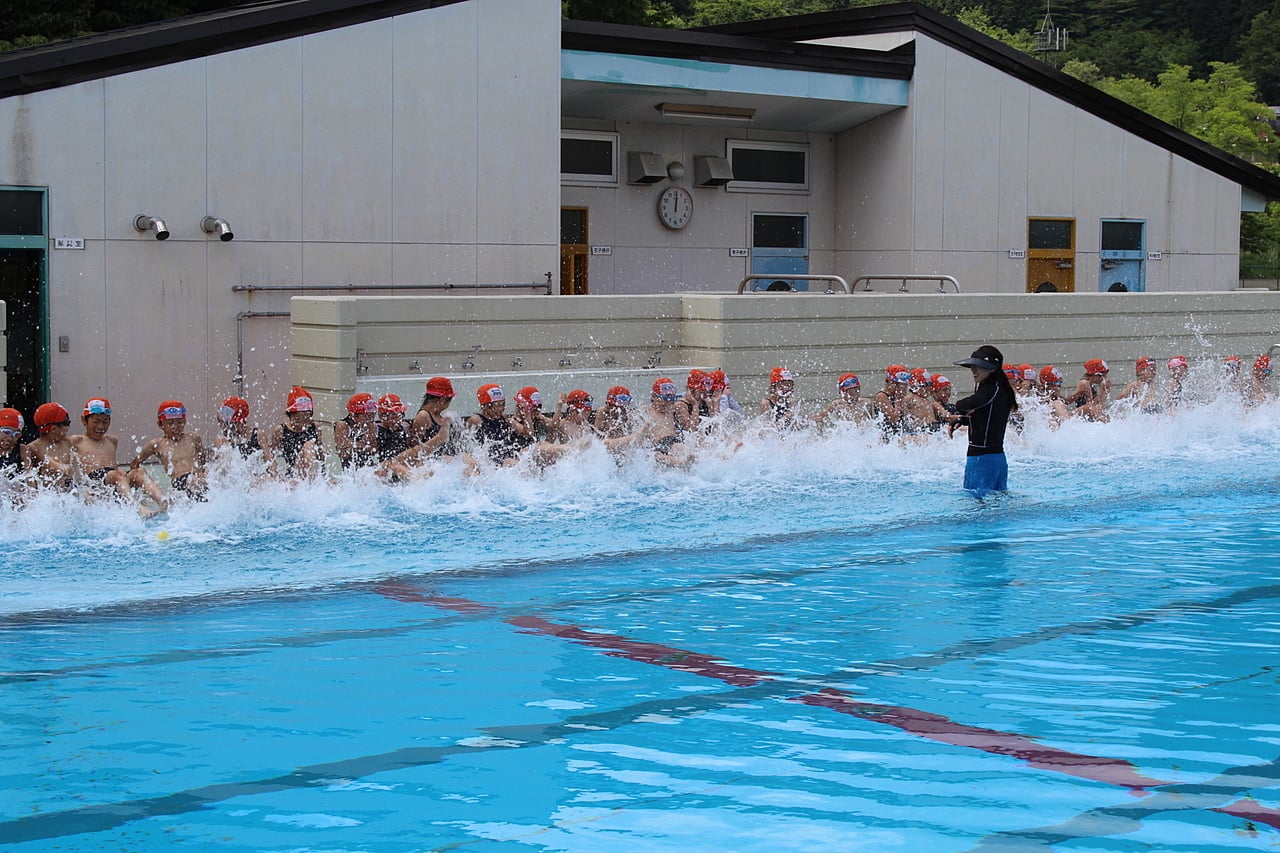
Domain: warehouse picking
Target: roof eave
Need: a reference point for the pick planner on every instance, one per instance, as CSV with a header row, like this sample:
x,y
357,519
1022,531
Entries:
x,y
898,17
94,57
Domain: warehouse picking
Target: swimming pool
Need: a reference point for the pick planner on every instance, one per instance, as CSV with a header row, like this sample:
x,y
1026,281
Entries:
x,y
805,646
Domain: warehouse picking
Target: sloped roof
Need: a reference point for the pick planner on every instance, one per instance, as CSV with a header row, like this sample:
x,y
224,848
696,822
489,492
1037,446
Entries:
x,y
777,43
92,57
900,17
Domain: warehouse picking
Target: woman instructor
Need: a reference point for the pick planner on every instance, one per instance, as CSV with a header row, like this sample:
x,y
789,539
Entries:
x,y
986,414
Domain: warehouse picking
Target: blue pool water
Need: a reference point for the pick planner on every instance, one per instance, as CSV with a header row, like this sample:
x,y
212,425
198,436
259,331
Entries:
x,y
805,646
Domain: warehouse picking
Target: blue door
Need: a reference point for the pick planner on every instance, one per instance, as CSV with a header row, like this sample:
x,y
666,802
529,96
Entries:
x,y
1122,256
779,247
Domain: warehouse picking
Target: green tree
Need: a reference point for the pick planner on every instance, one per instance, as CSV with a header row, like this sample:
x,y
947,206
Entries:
x,y
1260,54
612,11
977,18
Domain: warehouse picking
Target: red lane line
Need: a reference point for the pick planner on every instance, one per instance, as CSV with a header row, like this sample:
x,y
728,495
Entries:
x,y
1251,810
404,592
1113,771
653,653
924,724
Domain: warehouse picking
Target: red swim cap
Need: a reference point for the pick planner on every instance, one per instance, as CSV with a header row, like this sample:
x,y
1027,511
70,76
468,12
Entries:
x,y
50,415
234,410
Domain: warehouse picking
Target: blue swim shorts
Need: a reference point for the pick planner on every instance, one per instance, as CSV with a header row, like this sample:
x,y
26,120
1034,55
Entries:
x,y
986,473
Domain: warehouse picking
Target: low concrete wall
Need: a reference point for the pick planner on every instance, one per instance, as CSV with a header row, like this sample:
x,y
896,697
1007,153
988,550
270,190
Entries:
x,y
340,343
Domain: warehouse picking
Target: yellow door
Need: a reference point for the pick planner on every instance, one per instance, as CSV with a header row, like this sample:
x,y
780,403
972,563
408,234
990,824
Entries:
x,y
573,251
1051,255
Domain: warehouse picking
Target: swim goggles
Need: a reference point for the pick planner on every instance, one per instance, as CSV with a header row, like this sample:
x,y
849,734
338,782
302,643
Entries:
x,y
9,432
620,400
96,407
170,413
667,398
851,382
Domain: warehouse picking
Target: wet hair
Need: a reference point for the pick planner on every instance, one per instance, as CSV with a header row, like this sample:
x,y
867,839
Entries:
x,y
1002,379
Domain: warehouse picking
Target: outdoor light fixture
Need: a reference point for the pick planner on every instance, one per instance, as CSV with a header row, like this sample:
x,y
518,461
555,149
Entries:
x,y
706,111
675,170
214,225
145,223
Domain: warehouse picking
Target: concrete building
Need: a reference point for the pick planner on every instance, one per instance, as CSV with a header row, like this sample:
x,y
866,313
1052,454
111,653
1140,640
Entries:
x,y
165,190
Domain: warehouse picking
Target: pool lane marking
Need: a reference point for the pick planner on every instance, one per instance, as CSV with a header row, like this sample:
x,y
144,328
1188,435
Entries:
x,y
1252,810
964,650
107,816
613,645
1107,821
1112,771
945,730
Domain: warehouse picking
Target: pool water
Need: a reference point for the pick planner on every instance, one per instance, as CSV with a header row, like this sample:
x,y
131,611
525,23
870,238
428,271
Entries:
x,y
806,645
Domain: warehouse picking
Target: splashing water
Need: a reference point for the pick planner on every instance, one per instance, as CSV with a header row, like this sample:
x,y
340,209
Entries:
x,y
64,554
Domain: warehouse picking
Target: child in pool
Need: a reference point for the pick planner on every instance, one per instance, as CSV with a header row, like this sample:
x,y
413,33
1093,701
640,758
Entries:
x,y
96,454
182,453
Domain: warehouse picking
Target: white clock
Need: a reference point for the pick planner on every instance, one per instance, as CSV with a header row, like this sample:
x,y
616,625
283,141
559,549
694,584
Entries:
x,y
675,207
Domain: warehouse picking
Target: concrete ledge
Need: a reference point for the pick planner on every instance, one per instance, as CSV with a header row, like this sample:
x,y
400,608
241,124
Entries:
x,y
817,336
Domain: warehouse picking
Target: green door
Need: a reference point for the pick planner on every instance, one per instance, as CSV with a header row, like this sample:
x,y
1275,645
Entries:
x,y
24,245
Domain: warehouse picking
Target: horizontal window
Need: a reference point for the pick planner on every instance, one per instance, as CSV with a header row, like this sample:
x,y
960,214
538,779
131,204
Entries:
x,y
588,158
768,166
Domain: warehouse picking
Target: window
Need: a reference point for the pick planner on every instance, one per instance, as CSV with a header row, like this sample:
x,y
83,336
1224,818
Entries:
x,y
1122,236
21,212
588,158
768,166
1050,234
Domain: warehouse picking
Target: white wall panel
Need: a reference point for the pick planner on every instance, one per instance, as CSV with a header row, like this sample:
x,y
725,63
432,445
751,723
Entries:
x,y
417,263
519,120
57,135
156,324
971,155
436,126
346,136
255,160
343,263
155,150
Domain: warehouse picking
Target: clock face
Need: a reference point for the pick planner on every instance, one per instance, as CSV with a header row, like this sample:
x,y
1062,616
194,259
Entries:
x,y
675,207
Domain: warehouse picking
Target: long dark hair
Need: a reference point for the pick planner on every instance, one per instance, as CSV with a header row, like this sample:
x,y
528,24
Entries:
x,y
988,351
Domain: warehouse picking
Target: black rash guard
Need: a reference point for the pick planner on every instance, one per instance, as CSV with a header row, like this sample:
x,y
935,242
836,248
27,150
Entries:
x,y
986,412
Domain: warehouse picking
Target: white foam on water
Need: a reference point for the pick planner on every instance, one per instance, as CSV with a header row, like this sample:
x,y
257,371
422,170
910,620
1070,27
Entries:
x,y
64,554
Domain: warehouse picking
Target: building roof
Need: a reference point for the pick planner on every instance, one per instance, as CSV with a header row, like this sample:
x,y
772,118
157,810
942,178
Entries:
x,y
92,57
900,17
778,43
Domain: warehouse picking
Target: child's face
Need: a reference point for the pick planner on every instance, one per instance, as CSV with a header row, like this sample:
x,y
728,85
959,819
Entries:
x,y
8,439
96,426
173,427
299,420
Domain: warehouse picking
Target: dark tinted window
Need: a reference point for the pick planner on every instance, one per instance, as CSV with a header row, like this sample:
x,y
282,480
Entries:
x,y
778,232
1122,236
573,225
21,212
767,166
586,157
1049,234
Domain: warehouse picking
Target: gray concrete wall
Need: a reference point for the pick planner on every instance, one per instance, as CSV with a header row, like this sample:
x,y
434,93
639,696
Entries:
x,y
381,153
611,339
947,186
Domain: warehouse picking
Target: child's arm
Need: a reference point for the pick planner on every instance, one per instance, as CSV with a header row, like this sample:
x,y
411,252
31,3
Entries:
x,y
150,449
202,454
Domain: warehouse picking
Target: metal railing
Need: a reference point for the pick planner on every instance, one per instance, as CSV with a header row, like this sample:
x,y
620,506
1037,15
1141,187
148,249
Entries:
x,y
940,279
789,277
349,288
